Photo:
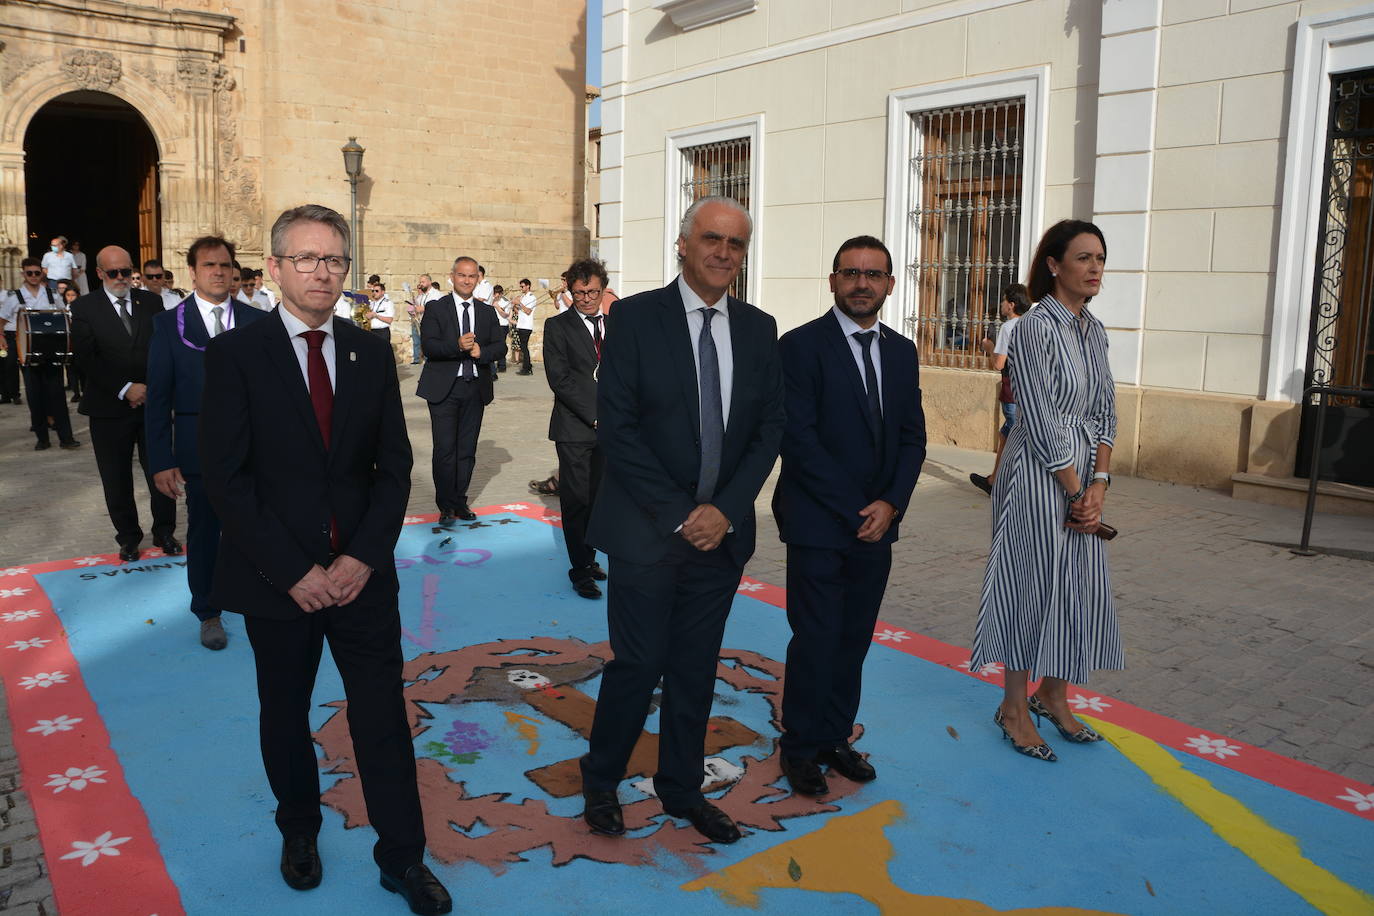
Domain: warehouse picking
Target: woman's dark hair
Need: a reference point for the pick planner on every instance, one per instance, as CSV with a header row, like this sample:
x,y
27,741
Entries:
x,y
1053,244
1015,293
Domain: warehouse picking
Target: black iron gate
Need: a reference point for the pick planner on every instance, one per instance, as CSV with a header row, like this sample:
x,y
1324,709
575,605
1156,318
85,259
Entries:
x,y
1340,341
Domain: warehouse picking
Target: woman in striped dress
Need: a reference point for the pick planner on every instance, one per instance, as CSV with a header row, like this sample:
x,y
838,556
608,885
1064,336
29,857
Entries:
x,y
1047,609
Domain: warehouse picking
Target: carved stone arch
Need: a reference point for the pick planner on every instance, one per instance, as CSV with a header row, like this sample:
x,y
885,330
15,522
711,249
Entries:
x,y
37,88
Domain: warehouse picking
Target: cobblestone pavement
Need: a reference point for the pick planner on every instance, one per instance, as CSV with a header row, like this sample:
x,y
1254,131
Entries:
x,y
1224,628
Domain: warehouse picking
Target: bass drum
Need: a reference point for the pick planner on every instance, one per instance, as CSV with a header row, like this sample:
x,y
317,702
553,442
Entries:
x,y
44,337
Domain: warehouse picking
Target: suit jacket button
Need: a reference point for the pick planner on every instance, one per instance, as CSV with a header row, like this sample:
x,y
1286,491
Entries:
x,y
324,529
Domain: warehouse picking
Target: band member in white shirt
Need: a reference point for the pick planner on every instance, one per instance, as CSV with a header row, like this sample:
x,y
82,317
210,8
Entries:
x,y
503,312
42,379
524,325
380,310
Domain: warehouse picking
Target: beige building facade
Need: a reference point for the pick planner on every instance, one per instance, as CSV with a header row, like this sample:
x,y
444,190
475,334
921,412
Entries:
x,y
148,124
1196,133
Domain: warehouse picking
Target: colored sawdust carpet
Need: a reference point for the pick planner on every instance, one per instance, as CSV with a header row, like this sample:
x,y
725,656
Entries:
x,y
139,750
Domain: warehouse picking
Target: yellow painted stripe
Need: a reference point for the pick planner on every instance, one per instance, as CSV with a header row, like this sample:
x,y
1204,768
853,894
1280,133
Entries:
x,y
1272,850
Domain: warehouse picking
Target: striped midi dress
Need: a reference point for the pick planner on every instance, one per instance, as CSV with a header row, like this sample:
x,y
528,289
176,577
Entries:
x,y
1047,604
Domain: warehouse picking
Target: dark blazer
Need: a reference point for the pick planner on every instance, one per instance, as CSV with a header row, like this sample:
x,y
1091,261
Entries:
x,y
106,354
273,483
176,376
439,335
570,366
830,466
648,426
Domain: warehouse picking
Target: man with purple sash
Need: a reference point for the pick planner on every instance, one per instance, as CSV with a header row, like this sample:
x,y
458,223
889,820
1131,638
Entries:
x,y
176,377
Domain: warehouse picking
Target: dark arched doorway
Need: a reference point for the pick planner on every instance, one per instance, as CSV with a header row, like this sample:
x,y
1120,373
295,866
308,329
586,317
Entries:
x,y
90,173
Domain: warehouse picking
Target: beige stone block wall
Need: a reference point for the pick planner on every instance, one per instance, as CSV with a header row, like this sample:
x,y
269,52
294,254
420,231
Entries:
x,y
1185,437
1273,438
961,407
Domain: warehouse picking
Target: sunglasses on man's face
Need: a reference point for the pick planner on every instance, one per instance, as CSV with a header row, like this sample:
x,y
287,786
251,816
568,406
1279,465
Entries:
x,y
154,276
33,273
119,271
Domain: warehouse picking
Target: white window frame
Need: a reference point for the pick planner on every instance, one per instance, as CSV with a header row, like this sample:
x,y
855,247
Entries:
x,y
674,147
1325,45
1032,86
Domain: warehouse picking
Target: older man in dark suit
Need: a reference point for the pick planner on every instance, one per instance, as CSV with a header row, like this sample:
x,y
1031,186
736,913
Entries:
x,y
176,378
854,444
461,338
111,329
307,464
573,341
689,414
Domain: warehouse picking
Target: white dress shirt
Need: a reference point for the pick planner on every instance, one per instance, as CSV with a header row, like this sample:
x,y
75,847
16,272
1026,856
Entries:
x,y
382,306
483,291
502,306
591,328
525,322
59,266
850,328
295,327
720,333
10,304
170,300
208,316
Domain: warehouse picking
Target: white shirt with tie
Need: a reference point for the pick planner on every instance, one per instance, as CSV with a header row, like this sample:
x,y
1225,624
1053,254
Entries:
x,y
591,326
465,308
129,304
720,333
207,313
295,327
850,328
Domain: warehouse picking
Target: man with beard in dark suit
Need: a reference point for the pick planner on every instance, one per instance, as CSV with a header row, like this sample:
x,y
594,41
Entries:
x,y
111,329
307,464
461,338
689,414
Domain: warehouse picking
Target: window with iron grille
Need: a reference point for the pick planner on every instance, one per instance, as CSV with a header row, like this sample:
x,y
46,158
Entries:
x,y
964,225
719,169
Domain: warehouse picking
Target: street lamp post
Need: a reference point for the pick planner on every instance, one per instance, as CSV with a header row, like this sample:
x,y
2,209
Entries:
x,y
353,165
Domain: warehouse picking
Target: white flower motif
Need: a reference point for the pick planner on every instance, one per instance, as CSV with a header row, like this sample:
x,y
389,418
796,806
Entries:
x,y
1219,747
891,635
1357,798
14,571
52,726
515,507
89,561
153,552
552,518
14,592
987,670
411,519
1095,704
25,644
103,845
16,616
750,587
43,679
74,778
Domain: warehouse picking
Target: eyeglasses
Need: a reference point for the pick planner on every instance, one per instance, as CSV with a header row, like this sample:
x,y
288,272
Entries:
x,y
853,273
154,276
118,271
33,273
307,263
587,294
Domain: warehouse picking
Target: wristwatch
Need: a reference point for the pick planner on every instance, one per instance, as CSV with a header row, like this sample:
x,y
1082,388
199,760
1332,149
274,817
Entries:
x,y
1104,477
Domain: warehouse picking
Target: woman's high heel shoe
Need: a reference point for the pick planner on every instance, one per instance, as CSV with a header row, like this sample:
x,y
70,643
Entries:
x,y
1084,735
1039,751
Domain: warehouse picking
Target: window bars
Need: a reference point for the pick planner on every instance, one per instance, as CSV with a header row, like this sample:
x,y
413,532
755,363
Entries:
x,y
963,226
719,169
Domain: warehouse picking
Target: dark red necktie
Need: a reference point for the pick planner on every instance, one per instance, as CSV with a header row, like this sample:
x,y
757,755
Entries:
x,y
322,399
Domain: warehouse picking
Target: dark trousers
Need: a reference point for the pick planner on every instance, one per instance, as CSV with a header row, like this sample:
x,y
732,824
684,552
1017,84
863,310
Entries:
x,y
832,604
501,362
384,334
524,335
43,385
9,368
666,621
365,641
455,424
580,465
202,546
114,440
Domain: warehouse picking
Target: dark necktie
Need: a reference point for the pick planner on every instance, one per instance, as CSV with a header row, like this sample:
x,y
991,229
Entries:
x,y
596,334
126,316
712,414
875,404
322,399
466,329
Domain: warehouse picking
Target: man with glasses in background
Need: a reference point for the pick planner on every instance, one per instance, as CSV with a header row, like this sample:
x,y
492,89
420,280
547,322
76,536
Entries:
x,y
155,281
111,329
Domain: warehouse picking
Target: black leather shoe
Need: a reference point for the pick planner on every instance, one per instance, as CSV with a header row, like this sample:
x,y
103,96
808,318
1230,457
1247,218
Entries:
x,y
422,890
446,517
129,553
710,821
168,545
848,762
586,588
804,776
602,813
598,573
465,513
981,482
300,863
70,444
42,446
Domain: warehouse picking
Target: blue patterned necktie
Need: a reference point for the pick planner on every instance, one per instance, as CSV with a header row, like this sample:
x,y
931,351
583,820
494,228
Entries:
x,y
712,414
